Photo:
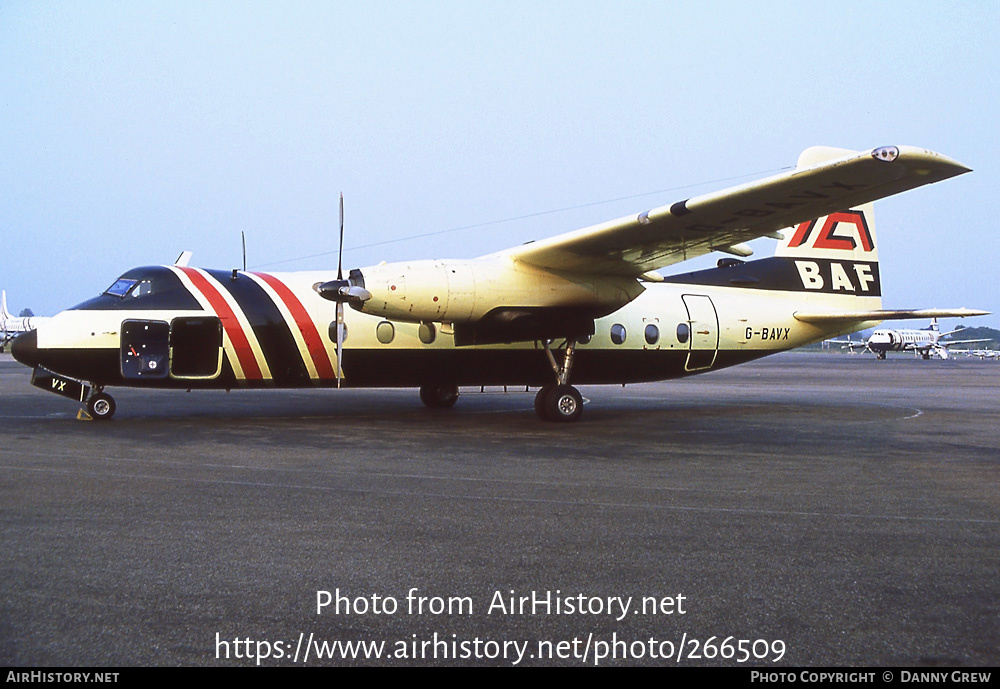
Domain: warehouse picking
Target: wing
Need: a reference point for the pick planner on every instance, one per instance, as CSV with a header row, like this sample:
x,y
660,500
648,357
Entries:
x,y
723,220
949,343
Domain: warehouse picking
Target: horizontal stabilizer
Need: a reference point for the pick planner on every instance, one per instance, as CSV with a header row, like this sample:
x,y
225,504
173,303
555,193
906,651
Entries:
x,y
886,315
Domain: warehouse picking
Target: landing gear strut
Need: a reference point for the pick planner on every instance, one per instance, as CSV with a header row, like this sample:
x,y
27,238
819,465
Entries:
x,y
100,405
560,402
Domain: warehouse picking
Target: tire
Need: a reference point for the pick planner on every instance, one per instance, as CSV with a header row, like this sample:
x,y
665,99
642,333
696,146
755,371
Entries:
x,y
563,404
101,406
439,396
540,402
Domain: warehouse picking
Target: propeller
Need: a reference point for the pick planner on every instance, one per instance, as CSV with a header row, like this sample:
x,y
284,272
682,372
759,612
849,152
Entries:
x,y
351,290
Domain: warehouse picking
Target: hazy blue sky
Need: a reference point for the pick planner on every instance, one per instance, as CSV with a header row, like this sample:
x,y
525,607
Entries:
x,y
131,131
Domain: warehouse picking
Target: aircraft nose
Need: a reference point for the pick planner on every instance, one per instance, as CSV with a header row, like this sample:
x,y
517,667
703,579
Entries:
x,y
24,348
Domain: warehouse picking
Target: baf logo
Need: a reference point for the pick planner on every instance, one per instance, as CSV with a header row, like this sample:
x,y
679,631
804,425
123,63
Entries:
x,y
845,231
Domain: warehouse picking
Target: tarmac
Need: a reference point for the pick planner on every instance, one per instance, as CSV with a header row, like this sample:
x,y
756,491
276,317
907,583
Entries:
x,y
803,510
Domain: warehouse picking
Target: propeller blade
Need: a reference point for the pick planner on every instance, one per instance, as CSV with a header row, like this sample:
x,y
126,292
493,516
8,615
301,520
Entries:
x,y
340,253
340,303
340,341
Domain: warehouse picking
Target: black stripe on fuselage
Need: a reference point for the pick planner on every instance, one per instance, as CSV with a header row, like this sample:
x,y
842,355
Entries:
x,y
786,273
276,342
367,368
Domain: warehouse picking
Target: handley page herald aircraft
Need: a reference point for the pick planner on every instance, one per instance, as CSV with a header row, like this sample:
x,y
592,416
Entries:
x,y
584,306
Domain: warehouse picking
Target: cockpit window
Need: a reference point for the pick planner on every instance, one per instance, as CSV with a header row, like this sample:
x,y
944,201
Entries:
x,y
121,287
147,288
141,288
128,287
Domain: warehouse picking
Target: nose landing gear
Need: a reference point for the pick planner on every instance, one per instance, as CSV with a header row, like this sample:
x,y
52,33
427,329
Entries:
x,y
100,405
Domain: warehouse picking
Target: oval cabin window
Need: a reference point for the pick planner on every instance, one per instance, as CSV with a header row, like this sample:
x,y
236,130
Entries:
x,y
652,334
683,332
618,333
385,331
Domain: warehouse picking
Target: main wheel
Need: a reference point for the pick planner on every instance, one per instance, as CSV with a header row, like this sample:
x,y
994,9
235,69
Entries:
x,y
101,406
562,403
439,396
540,402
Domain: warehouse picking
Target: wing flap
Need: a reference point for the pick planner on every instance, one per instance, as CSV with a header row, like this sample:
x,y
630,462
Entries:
x,y
693,227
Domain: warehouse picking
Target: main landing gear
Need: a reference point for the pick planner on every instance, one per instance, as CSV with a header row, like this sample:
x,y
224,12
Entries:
x,y
560,402
439,395
100,405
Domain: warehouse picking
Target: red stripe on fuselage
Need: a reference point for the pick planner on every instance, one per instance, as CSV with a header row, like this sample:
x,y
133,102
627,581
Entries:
x,y
311,336
248,361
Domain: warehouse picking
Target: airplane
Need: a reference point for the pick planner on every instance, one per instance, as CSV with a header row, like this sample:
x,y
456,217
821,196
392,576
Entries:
x,y
923,342
981,354
587,306
11,326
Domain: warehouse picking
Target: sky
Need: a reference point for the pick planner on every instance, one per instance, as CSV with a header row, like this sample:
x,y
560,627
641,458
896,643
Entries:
x,y
130,132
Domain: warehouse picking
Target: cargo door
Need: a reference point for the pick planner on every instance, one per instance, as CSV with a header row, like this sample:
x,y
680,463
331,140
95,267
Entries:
x,y
196,347
145,349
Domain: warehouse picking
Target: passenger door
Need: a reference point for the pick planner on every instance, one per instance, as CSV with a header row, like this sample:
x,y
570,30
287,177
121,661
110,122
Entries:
x,y
704,340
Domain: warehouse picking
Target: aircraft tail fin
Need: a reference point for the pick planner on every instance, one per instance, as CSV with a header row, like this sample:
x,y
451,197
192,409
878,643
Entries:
x,y
845,235
835,256
4,314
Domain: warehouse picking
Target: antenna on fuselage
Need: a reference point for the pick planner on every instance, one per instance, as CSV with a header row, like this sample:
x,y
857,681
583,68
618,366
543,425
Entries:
x,y
243,236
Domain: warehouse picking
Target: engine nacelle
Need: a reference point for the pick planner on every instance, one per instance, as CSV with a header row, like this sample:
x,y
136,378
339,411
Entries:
x,y
465,291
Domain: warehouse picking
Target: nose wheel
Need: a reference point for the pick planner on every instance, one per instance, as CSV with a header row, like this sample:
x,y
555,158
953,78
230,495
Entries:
x,y
101,406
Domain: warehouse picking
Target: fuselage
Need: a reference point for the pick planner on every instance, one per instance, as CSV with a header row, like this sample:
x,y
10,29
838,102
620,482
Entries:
x,y
888,340
168,326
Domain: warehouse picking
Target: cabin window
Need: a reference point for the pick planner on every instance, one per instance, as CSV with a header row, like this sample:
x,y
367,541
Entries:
x,y
427,333
584,340
385,332
618,333
333,331
652,334
683,332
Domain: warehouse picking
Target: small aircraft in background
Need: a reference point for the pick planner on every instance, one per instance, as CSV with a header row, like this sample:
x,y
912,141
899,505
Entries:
x,y
11,326
924,343
979,353
587,306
